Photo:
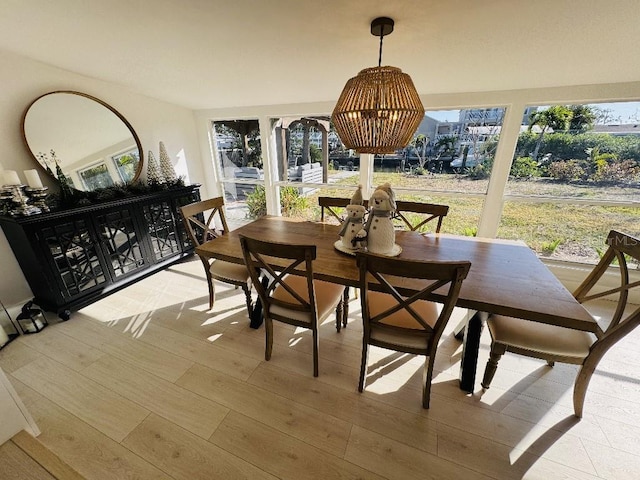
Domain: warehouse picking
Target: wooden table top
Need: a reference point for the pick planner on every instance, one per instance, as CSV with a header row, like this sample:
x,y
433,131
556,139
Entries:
x,y
506,277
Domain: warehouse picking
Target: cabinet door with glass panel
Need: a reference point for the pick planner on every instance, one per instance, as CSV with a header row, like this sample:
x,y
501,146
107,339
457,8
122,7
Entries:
x,y
74,256
163,233
120,242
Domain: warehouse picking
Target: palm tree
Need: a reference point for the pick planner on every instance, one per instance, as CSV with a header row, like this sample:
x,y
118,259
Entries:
x,y
446,145
582,118
556,117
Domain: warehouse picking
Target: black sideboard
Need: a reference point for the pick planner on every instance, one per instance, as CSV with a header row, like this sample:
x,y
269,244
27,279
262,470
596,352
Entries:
x,y
74,257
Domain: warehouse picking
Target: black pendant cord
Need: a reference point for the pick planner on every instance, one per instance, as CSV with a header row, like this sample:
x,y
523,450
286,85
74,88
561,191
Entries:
x,y
380,53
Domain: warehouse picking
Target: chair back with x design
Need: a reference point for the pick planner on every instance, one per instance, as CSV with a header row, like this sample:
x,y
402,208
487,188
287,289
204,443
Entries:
x,y
398,312
423,213
290,294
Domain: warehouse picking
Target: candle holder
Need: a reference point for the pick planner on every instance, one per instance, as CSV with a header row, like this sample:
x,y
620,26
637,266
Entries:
x,y
6,200
7,336
31,320
18,201
37,197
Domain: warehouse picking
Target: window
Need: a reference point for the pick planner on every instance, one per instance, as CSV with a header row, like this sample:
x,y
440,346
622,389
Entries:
x,y
96,176
126,164
311,161
310,151
240,166
575,175
449,161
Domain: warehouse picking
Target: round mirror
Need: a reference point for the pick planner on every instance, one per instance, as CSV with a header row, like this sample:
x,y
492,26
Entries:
x,y
90,142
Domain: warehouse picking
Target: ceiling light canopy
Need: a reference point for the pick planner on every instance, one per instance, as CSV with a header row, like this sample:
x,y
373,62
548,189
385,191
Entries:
x,y
378,110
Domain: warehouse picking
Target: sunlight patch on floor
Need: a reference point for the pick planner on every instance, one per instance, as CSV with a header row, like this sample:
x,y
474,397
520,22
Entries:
x,y
392,372
138,324
223,315
215,337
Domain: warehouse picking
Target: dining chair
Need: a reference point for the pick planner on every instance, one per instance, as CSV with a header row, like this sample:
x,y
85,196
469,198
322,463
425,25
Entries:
x,y
290,294
559,344
403,319
200,229
426,212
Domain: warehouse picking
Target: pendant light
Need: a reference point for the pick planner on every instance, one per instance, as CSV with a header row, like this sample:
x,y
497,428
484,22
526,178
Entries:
x,y
378,110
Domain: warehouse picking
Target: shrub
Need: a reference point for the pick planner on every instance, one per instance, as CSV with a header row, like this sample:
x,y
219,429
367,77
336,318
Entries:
x,y
257,203
616,172
291,202
567,146
524,167
480,171
567,170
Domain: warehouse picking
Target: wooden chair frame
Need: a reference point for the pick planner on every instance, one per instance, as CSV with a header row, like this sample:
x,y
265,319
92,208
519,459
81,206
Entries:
x,y
620,244
292,260
375,271
329,203
200,229
431,210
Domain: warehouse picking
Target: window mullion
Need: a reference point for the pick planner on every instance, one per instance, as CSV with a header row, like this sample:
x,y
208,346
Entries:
x,y
492,210
269,165
366,174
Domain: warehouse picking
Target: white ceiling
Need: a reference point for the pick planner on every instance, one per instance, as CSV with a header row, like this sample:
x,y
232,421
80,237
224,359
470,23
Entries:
x,y
224,53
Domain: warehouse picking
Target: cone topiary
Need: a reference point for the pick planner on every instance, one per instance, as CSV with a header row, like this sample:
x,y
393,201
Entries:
x,y
154,175
166,167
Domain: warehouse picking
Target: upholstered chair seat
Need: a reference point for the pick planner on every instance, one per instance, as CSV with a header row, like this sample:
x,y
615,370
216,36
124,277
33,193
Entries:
x,y
328,295
536,337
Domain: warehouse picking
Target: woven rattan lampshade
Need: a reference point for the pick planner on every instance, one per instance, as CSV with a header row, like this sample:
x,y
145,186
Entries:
x,y
378,110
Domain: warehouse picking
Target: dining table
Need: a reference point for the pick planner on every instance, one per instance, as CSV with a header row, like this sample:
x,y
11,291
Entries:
x,y
506,277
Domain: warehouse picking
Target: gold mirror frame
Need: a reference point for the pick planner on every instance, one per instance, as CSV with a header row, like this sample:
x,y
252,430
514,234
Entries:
x,y
59,143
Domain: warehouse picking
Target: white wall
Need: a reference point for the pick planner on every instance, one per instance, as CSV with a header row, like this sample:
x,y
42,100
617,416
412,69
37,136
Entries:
x,y
23,80
14,416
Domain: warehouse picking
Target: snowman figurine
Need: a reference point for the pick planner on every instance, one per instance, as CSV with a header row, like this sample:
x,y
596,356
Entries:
x,y
381,235
352,226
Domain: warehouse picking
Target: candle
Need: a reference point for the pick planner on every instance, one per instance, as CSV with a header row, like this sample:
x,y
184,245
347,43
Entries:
x,y
11,177
4,338
30,327
33,179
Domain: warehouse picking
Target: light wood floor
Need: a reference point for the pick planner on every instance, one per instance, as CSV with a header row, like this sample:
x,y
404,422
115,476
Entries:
x,y
148,384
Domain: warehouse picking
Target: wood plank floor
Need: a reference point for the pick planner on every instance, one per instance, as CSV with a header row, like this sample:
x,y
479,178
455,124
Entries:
x,y
149,384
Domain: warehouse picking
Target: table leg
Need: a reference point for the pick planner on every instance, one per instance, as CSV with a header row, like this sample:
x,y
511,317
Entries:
x,y
470,349
345,311
256,316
